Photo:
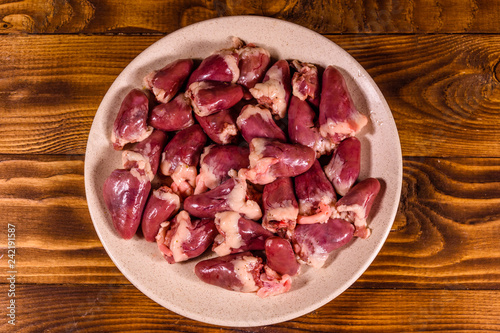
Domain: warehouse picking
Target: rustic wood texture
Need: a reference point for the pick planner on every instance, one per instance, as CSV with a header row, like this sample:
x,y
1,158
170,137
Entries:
x,y
437,62
44,197
52,86
107,308
337,16
446,230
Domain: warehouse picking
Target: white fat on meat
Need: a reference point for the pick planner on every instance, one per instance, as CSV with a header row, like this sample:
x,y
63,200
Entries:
x,y
322,214
122,142
305,206
182,173
147,81
141,160
273,284
355,214
193,91
228,132
272,93
232,63
323,146
284,212
243,268
236,43
145,134
206,179
317,260
257,152
139,174
258,146
303,69
182,234
161,95
114,139
237,201
165,166
184,179
206,150
258,173
362,232
296,91
160,239
252,110
318,212
345,128
229,237
168,196
315,257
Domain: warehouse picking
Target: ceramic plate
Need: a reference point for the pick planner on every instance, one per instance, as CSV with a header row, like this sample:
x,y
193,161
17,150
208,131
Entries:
x,y
175,286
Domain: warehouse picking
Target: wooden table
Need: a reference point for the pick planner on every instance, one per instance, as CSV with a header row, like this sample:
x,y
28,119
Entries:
x,y
436,62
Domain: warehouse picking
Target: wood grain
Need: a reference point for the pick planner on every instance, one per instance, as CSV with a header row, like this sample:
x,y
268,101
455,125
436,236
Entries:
x,y
444,90
437,62
44,198
51,88
109,308
338,16
445,234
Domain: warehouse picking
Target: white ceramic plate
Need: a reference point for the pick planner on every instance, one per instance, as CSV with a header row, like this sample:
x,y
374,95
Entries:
x,y
175,286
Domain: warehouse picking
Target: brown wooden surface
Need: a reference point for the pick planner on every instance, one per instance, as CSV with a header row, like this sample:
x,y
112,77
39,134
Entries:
x,y
52,85
335,16
437,64
122,308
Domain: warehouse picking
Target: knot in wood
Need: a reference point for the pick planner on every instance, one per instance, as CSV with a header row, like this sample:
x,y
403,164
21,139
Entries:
x,y
496,71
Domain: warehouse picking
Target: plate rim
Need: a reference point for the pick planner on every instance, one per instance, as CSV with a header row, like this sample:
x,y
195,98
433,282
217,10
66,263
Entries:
x,y
284,317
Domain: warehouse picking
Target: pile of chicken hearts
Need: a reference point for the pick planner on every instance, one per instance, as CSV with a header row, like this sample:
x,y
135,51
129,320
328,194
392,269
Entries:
x,y
227,156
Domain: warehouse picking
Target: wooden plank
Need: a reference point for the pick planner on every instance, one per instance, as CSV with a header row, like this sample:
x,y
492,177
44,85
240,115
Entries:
x,y
443,90
52,97
339,16
110,308
445,230
447,227
44,198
